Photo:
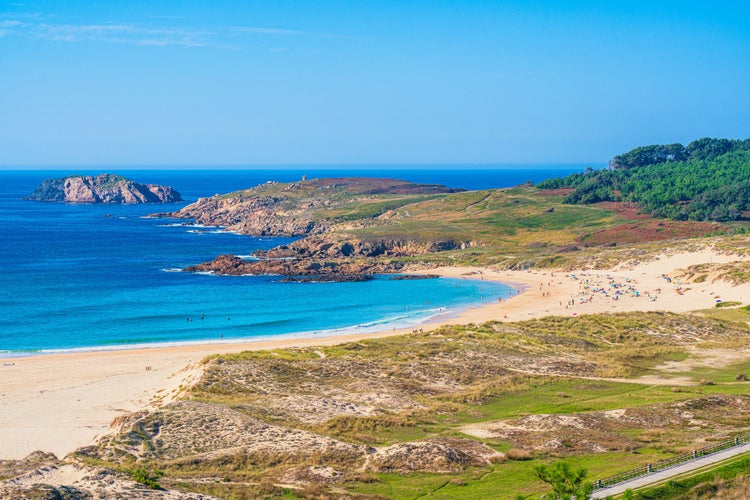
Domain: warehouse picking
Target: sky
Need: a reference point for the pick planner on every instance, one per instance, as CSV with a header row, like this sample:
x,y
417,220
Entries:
x,y
162,83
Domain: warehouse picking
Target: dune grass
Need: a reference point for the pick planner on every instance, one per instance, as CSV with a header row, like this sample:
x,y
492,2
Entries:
x,y
441,385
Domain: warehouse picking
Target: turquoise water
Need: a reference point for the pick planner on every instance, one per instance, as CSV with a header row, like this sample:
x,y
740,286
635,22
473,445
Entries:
x,y
97,277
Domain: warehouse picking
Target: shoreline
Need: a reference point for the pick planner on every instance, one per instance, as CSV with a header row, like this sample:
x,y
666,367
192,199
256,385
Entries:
x,y
58,402
385,324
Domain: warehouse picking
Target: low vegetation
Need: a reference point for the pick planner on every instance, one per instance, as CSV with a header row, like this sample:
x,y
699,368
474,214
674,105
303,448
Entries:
x,y
462,412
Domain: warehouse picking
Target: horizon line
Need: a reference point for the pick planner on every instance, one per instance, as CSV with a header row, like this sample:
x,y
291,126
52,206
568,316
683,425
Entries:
x,y
298,166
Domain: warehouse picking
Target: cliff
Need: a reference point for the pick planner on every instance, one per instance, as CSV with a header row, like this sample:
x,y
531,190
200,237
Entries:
x,y
103,188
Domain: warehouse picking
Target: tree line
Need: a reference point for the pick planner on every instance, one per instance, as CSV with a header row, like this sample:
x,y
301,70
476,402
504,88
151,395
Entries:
x,y
707,180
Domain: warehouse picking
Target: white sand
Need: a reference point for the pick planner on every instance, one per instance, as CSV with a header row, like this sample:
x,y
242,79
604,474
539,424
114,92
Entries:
x,y
548,292
60,402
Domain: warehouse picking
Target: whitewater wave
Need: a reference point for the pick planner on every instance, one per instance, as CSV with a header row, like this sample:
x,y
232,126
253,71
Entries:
x,y
248,257
397,322
194,225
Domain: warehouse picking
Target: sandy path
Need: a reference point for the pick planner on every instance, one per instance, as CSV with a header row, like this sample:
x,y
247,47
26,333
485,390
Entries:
x,y
59,402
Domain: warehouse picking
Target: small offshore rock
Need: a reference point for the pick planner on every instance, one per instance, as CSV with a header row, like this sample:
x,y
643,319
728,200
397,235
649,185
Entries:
x,y
103,188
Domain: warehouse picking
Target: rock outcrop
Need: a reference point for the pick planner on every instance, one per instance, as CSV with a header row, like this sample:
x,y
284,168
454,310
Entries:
x,y
328,257
337,246
302,270
103,188
327,214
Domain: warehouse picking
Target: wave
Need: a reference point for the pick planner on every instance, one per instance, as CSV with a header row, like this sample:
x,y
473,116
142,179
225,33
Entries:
x,y
189,224
243,331
248,257
172,270
212,231
397,322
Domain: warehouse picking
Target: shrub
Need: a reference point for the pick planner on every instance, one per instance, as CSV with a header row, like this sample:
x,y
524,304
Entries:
x,y
729,303
147,477
518,454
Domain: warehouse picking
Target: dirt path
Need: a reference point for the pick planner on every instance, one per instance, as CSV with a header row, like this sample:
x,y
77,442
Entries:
x,y
674,471
644,379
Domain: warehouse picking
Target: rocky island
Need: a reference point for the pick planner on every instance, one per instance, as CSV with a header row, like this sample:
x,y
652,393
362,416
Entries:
x,y
103,188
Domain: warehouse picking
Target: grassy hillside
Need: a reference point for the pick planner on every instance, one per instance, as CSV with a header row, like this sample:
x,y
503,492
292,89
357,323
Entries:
x,y
384,219
520,227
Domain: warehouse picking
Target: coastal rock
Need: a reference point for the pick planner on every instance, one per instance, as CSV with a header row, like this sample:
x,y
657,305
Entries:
x,y
104,188
304,270
326,213
324,258
333,246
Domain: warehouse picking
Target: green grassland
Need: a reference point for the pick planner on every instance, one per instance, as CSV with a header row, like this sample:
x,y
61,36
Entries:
x,y
525,227
504,217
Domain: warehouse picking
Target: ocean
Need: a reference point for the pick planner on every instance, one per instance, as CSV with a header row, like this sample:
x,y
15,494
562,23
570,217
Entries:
x,y
88,277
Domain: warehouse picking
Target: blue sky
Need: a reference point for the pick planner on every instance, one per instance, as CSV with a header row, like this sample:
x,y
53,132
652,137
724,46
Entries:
x,y
221,83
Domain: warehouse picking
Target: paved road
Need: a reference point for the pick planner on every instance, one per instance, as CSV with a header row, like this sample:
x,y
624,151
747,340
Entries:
x,y
674,471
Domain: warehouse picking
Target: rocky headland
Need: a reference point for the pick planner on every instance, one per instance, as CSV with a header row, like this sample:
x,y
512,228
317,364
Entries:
x,y
103,188
305,207
325,214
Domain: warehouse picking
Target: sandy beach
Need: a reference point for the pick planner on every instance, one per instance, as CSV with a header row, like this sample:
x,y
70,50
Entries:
x,y
60,402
